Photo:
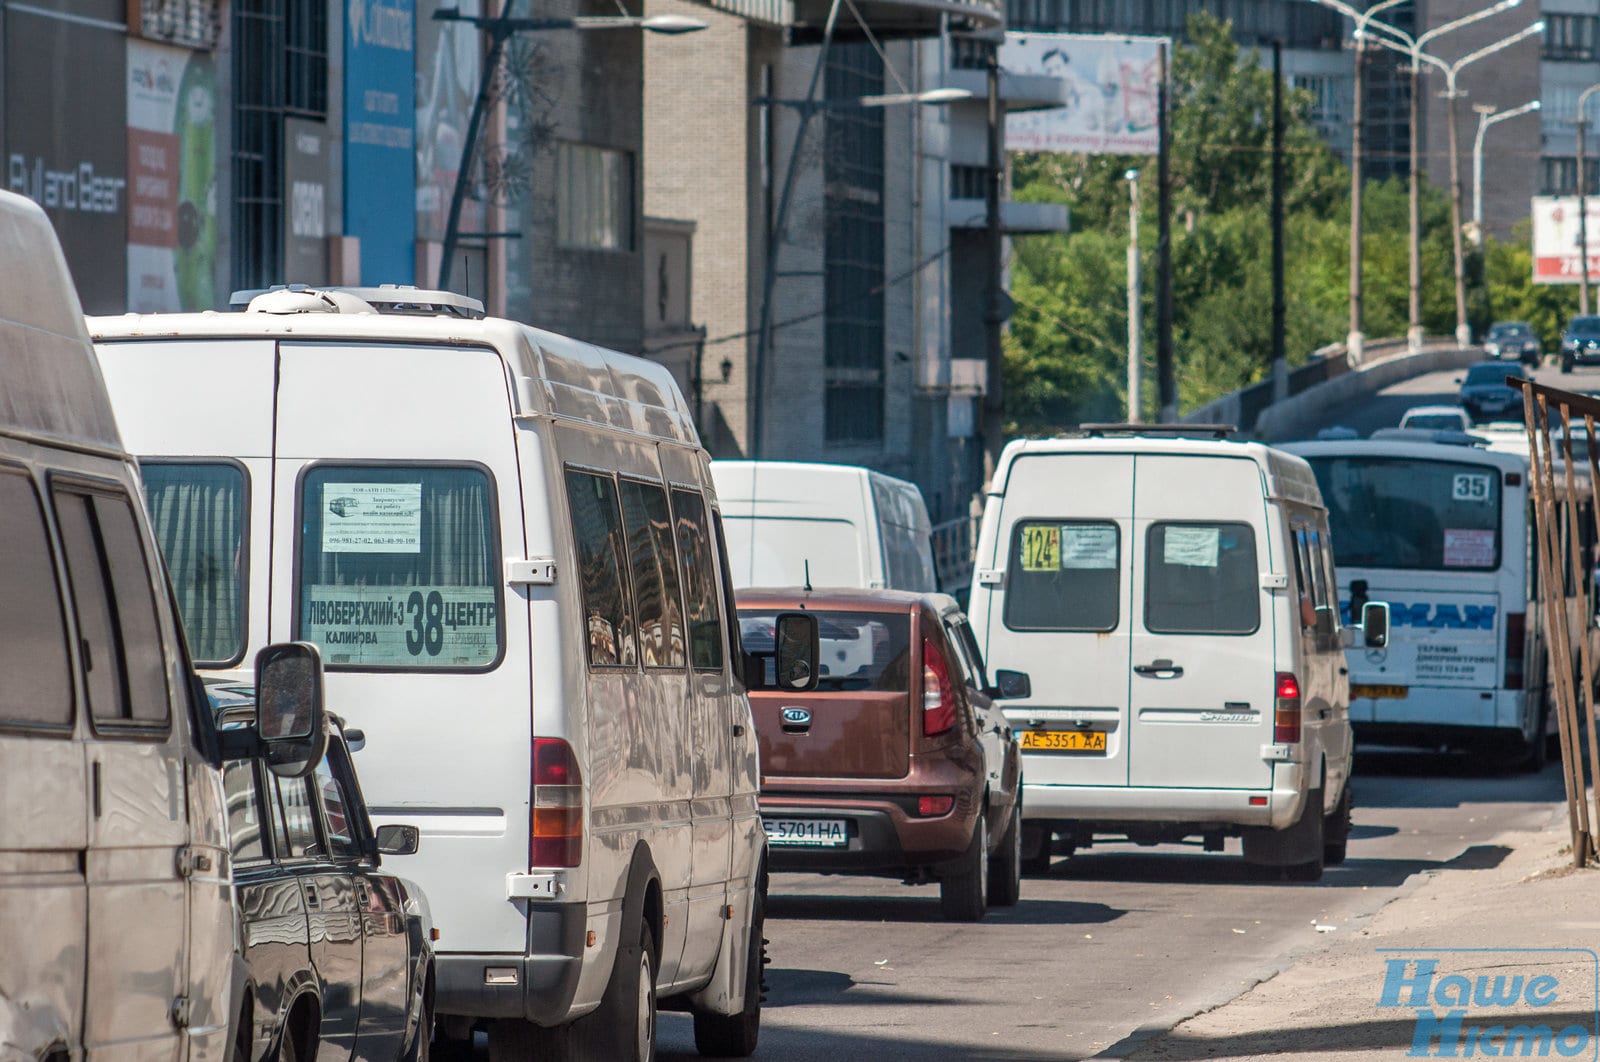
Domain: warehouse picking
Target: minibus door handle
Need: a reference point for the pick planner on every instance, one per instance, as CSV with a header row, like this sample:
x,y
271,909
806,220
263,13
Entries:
x,y
1162,669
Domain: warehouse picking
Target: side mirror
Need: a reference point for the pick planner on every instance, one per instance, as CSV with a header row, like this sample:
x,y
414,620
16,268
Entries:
x,y
1012,685
795,649
399,840
1375,624
290,718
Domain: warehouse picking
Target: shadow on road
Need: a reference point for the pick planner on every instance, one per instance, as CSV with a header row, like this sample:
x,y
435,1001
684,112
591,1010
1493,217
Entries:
x,y
1314,1042
875,1043
924,907
806,988
1223,870
1390,779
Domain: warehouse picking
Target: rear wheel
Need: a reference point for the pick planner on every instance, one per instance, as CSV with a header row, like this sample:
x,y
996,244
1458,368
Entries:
x,y
1336,831
624,1026
1539,748
1566,364
735,1035
1036,843
964,892
1005,866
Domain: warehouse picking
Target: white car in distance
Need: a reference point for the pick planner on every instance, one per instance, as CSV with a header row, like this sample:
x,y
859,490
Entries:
x,y
1436,418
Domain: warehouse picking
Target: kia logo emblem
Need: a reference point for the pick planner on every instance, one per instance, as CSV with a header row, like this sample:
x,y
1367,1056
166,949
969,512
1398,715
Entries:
x,y
797,716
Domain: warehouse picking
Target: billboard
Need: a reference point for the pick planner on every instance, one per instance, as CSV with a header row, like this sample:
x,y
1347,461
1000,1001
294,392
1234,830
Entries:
x,y
448,65
172,179
305,180
1112,93
380,181
1557,243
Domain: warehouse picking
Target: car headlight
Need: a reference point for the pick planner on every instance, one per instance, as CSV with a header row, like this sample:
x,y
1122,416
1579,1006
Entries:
x,y
1569,344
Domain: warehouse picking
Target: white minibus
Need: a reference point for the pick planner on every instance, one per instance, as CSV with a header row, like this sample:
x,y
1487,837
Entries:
x,y
1442,532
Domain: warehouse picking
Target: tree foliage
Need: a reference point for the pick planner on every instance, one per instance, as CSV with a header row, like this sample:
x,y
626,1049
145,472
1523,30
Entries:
x,y
1066,350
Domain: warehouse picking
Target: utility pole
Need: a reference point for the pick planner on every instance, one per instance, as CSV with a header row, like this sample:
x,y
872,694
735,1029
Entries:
x,y
1463,330
995,314
1414,329
1135,319
1583,212
1355,340
1166,381
1280,359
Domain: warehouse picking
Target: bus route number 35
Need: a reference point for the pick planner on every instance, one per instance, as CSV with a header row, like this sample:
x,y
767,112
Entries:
x,y
1471,487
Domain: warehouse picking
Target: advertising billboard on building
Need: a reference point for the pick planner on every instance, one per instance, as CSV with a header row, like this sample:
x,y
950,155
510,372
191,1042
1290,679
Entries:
x,y
305,180
448,65
172,179
1558,239
1112,93
66,142
380,185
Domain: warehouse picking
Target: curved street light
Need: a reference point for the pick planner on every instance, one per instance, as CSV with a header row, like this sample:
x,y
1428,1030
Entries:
x,y
1487,116
501,28
1583,206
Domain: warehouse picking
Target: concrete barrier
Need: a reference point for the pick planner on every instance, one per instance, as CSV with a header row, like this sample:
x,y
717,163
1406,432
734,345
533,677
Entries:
x,y
1295,416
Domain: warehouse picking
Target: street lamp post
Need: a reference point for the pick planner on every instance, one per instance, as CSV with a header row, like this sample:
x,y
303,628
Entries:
x,y
1355,341
1135,323
1413,47
1583,206
501,28
1488,116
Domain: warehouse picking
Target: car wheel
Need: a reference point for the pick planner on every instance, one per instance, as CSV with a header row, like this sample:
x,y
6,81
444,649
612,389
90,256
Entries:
x,y
735,1035
1336,831
964,891
421,1049
624,1026
1036,855
1005,866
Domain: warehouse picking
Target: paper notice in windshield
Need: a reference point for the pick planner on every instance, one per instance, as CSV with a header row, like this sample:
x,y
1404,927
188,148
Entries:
x,y
1088,547
1191,547
372,518
1464,548
1041,548
402,626
1470,487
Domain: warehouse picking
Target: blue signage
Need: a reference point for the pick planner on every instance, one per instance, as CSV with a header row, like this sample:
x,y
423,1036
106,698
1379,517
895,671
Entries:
x,y
380,185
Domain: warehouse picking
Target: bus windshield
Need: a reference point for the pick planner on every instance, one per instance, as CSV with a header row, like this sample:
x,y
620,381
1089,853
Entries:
x,y
1395,512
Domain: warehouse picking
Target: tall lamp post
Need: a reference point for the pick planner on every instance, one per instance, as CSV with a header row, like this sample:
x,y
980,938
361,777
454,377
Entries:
x,y
1414,48
1583,205
1355,341
1135,323
1488,116
501,28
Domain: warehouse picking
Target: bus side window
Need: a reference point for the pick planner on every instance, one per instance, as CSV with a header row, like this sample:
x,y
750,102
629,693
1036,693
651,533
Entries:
x,y
1305,588
1329,579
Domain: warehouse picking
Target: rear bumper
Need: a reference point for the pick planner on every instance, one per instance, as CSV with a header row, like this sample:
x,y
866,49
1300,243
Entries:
x,y
1209,808
546,978
883,834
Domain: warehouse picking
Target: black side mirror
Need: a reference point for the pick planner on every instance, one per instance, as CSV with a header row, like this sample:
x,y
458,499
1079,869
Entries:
x,y
399,840
1375,624
1011,685
290,717
796,648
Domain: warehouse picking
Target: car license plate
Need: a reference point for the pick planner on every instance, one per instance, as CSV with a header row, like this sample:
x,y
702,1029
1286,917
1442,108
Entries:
x,y
1397,693
1092,742
806,833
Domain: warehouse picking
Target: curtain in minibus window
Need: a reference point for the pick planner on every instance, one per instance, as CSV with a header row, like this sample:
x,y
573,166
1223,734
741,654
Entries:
x,y
198,511
1064,575
398,567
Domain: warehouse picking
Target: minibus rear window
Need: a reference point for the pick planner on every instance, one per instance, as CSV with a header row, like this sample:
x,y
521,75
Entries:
x,y
1201,579
1421,515
1064,575
199,511
857,651
397,567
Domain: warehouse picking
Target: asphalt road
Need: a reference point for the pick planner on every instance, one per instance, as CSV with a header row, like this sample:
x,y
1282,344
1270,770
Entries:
x,y
1118,939
1115,940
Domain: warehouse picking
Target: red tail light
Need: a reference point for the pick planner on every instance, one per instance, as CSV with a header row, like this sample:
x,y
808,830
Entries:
x,y
929,806
938,694
1516,628
556,830
1286,710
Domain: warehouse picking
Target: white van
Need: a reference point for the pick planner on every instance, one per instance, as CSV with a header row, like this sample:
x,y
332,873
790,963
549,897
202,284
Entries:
x,y
116,910
1172,600
851,526
507,545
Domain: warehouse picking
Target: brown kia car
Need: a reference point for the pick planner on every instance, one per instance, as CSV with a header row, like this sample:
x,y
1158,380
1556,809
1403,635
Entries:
x,y
897,764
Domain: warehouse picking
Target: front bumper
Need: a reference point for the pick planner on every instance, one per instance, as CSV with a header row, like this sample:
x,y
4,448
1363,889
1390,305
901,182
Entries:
x,y
883,834
546,977
1201,808
1582,356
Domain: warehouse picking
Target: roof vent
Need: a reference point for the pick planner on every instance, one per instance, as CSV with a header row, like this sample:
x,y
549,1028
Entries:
x,y
398,299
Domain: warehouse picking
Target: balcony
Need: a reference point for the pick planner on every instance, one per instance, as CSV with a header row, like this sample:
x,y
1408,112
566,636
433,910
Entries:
x,y
1016,219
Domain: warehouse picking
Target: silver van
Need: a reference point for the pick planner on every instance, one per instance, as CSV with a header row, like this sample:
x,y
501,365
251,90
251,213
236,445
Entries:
x,y
116,904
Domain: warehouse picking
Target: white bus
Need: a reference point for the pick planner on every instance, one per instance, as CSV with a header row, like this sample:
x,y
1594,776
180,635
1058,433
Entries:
x,y
1444,534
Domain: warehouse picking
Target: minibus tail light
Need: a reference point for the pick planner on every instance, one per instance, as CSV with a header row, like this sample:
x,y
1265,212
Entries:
x,y
938,694
556,830
1516,629
1286,715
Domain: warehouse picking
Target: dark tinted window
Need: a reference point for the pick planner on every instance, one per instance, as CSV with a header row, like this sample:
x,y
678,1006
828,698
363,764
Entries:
x,y
857,650
1511,331
245,836
34,659
1491,374
597,535
1390,512
699,580
198,513
1584,325
1064,575
399,567
654,563
116,611
298,822
1202,579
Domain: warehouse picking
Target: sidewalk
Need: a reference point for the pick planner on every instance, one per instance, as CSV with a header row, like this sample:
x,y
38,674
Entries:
x,y
1425,997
